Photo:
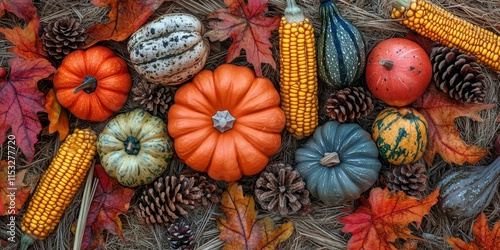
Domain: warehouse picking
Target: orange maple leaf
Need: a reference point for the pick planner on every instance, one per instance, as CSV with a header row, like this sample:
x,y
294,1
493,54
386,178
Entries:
x,y
125,17
440,112
58,117
485,239
241,229
27,41
249,29
24,9
13,190
110,200
384,217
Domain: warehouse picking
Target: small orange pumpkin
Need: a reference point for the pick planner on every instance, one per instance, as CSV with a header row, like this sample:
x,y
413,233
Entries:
x,y
226,122
92,84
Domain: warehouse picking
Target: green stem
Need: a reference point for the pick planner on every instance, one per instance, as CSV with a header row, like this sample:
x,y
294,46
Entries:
x,y
26,241
132,145
293,13
89,84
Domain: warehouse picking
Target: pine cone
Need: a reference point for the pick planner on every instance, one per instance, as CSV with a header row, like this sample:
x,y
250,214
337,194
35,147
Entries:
x,y
411,179
210,192
281,190
167,199
180,235
154,98
61,37
349,104
458,75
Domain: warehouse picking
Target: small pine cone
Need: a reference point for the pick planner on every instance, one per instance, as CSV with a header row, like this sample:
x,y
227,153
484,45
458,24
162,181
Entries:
x,y
63,36
180,235
281,190
211,193
167,199
154,98
458,75
411,179
349,104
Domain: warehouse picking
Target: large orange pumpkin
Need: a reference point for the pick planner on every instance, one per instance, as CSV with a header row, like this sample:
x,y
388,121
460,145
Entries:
x,y
92,84
226,122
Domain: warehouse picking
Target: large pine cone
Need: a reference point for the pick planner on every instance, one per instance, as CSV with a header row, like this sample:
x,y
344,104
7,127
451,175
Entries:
x,y
61,37
458,75
281,190
349,104
411,179
167,199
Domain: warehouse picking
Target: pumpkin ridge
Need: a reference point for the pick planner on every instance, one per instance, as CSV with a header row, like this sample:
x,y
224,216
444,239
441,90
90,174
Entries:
x,y
167,56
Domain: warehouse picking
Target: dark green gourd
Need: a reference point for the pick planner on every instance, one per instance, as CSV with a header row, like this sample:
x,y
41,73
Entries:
x,y
341,49
466,191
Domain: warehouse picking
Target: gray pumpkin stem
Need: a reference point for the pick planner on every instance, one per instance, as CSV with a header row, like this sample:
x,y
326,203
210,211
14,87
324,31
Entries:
x,y
330,159
223,121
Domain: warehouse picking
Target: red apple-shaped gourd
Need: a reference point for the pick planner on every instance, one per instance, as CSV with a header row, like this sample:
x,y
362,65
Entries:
x,y
398,71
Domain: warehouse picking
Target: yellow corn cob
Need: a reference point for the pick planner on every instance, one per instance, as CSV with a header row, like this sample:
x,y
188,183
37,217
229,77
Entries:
x,y
441,26
298,77
58,186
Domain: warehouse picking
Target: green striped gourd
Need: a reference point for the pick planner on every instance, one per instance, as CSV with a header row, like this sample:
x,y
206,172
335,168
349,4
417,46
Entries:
x,y
170,50
135,148
341,49
400,135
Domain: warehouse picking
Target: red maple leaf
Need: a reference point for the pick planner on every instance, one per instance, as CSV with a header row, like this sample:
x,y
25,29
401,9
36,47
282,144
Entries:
x,y
21,100
249,29
110,200
27,42
384,217
485,238
125,17
23,9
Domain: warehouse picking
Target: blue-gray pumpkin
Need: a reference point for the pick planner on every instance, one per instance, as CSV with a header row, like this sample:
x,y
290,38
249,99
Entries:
x,y
339,162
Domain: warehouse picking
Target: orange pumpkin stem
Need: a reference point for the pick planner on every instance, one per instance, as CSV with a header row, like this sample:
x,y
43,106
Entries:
x,y
223,121
89,84
388,64
330,159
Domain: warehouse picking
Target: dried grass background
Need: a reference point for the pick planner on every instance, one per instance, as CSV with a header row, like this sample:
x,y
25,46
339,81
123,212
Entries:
x,y
319,230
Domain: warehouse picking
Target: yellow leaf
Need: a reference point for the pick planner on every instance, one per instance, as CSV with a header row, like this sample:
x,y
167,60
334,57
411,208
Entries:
x,y
241,229
58,116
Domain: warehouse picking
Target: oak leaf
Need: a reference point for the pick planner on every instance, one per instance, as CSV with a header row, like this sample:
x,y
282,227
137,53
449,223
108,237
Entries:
x,y
440,112
58,116
27,42
21,100
24,9
110,200
384,217
241,229
249,29
485,239
125,17
13,191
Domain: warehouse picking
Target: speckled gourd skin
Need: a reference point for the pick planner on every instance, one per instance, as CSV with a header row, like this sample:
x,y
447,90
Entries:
x,y
358,168
170,50
341,49
153,156
465,191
